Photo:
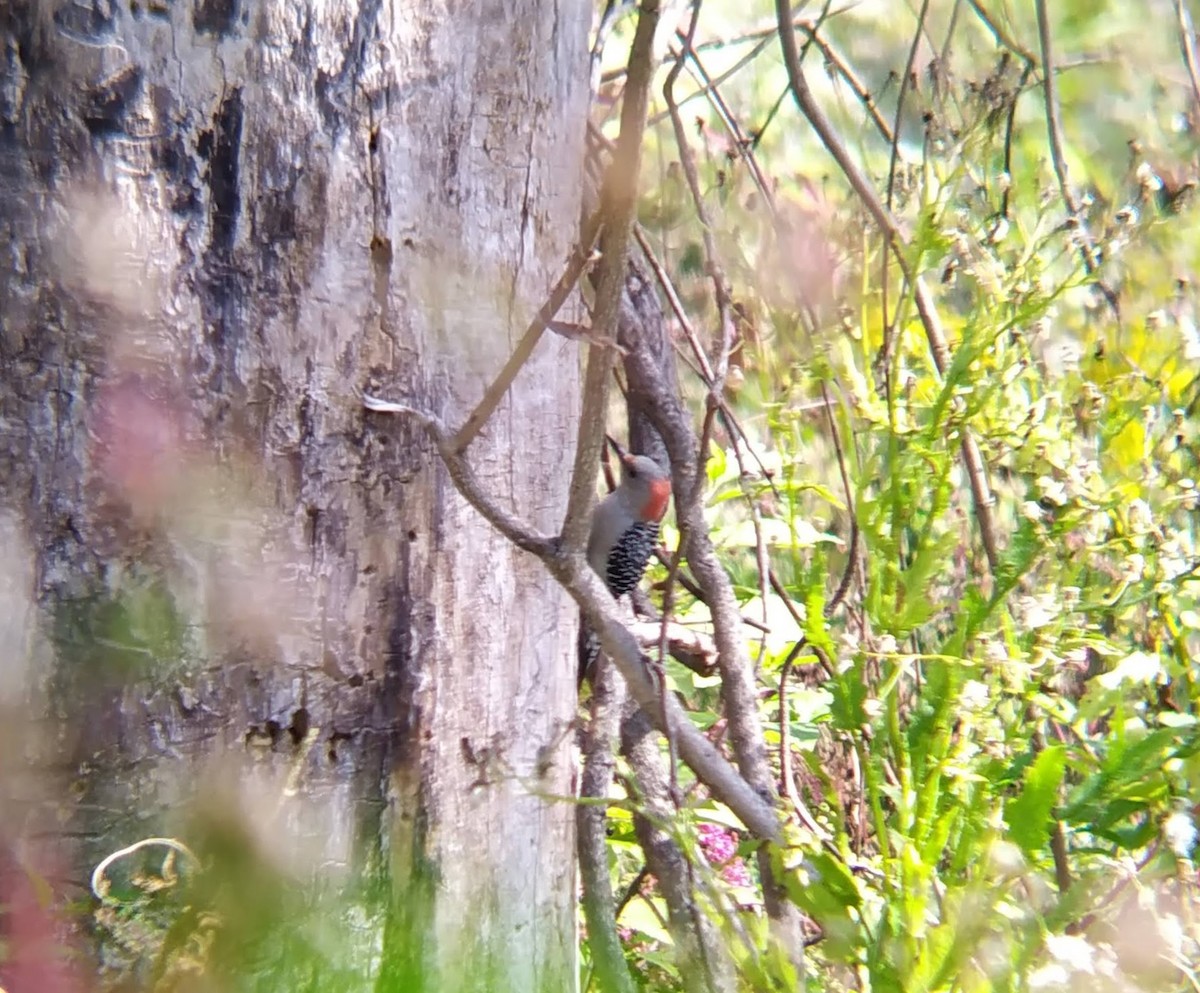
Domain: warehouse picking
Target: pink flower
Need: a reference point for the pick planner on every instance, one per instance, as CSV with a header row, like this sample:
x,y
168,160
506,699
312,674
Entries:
x,y
719,846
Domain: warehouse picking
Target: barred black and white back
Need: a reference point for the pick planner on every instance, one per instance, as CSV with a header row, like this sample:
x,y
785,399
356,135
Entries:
x,y
624,570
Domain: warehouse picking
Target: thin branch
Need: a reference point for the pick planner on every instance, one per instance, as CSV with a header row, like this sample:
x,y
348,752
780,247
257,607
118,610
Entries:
x,y
711,88
618,204
785,753
1087,249
1187,42
1053,120
687,160
1002,37
891,325
851,509
463,477
677,308
904,81
858,87
767,30
1010,128
613,10
668,601
704,960
600,612
790,605
689,584
1009,43
533,334
931,321
709,85
591,820
633,889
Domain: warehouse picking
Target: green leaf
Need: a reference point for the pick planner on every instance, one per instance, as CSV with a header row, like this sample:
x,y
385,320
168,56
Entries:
x,y
1028,816
640,916
1129,782
826,890
691,262
849,694
935,954
816,630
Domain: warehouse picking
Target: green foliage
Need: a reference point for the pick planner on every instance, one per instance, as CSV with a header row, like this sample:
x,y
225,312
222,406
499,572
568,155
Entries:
x,y
995,724
1028,816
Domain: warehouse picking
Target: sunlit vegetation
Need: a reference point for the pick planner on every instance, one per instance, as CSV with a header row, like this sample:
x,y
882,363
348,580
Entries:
x,y
983,710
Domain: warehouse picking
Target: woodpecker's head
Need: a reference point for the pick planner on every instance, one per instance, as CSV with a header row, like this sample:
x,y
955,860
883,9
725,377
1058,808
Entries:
x,y
645,486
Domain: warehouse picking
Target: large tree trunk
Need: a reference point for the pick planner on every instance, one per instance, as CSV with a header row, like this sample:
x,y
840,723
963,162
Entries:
x,y
223,219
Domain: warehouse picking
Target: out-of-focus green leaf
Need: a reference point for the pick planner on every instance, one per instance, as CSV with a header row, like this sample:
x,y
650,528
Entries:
x,y
641,916
1028,817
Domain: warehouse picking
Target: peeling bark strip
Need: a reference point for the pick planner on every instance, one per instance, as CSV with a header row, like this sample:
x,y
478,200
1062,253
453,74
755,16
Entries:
x,y
225,219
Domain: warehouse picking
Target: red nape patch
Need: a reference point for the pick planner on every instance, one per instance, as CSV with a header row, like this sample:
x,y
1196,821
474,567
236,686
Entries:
x,y
660,496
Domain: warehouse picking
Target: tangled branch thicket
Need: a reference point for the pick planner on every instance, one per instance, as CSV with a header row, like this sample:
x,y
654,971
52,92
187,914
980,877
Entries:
x,y
930,287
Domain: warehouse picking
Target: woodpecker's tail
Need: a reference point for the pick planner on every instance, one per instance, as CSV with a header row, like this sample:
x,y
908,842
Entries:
x,y
589,648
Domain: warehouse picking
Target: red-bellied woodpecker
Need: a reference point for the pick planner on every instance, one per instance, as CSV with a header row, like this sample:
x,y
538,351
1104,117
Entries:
x,y
624,530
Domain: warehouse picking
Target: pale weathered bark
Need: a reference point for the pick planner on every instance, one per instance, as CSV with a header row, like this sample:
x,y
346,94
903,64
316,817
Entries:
x,y
223,220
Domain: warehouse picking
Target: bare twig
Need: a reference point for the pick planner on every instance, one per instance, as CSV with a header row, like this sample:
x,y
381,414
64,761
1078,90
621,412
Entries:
x,y
1187,42
533,334
704,960
743,143
687,160
1054,121
633,889
1002,37
608,695
668,608
1087,248
857,86
930,320
1010,128
851,509
600,612
613,10
904,81
1030,63
886,350
465,480
672,295
708,84
812,28
618,203
785,751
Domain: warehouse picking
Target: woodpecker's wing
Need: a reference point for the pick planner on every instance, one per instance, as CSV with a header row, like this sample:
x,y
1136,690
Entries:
x,y
629,556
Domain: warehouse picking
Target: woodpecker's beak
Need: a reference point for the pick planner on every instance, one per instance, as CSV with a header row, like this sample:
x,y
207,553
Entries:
x,y
617,449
